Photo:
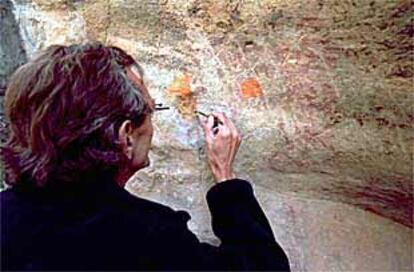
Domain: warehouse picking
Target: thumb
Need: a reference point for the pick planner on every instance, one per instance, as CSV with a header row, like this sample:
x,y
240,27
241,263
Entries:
x,y
208,124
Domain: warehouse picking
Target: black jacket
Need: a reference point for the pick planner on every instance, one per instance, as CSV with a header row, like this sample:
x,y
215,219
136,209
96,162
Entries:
x,y
103,227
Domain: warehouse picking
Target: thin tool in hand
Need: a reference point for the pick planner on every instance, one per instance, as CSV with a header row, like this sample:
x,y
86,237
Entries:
x,y
216,120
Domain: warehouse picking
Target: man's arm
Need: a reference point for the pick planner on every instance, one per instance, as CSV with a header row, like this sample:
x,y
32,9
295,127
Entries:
x,y
243,228
247,241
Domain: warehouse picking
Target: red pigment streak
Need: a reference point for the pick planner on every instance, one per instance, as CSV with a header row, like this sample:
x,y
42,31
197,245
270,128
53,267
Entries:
x,y
251,88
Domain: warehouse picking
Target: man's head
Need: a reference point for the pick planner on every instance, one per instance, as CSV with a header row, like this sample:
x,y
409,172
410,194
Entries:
x,y
75,110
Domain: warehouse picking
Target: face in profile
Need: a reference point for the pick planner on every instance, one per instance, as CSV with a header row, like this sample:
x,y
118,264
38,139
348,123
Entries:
x,y
141,144
137,140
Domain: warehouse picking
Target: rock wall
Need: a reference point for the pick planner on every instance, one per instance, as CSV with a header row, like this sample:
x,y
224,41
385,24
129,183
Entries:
x,y
12,54
321,91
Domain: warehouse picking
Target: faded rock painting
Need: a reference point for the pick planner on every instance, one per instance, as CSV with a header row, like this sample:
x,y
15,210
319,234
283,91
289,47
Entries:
x,y
322,91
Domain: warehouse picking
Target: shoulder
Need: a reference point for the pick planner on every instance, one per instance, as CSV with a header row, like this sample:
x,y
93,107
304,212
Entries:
x,y
10,200
7,194
161,215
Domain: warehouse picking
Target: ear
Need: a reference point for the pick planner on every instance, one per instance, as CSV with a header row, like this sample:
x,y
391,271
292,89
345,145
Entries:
x,y
125,136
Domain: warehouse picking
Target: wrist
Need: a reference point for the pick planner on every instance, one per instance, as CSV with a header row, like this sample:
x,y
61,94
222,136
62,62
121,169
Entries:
x,y
221,176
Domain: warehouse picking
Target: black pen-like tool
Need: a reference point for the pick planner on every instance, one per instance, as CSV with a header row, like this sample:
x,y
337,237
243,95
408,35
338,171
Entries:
x,y
160,106
216,120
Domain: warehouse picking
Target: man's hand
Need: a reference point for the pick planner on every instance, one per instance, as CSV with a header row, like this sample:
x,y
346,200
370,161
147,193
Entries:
x,y
223,141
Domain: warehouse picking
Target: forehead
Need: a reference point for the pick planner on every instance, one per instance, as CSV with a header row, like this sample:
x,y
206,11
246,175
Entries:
x,y
136,76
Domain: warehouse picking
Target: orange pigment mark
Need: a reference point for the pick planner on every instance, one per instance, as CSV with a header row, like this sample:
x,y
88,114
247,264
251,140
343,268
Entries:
x,y
187,106
251,88
186,100
180,86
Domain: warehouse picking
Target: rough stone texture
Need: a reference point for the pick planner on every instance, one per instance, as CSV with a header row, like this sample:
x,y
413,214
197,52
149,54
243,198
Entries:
x,y
328,144
12,54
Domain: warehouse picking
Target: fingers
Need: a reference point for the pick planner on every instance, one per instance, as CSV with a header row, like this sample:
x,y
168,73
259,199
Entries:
x,y
223,140
208,128
221,117
222,128
225,127
228,123
233,133
208,124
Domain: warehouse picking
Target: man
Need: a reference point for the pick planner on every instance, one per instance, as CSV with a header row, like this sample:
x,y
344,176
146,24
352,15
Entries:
x,y
80,120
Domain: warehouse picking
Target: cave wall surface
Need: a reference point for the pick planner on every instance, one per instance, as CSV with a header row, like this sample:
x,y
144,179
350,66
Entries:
x,y
12,54
322,92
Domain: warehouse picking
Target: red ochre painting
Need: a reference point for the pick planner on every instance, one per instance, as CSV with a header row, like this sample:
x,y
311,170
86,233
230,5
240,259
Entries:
x,y
251,88
186,99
